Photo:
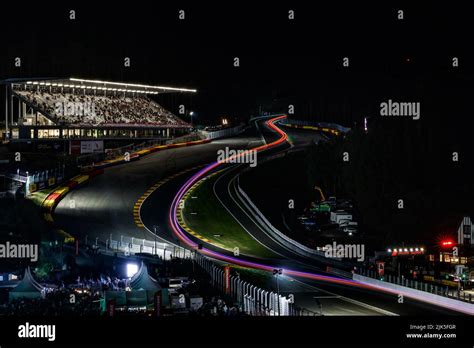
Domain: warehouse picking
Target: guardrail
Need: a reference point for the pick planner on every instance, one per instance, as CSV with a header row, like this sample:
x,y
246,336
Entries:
x,y
438,299
282,238
227,132
439,290
324,126
131,246
277,234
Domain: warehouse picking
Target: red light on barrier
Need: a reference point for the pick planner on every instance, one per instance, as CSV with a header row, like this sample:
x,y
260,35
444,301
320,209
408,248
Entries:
x,y
447,243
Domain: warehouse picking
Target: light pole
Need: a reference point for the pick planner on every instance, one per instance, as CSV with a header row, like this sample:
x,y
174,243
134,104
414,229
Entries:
x,y
154,230
191,113
319,304
276,273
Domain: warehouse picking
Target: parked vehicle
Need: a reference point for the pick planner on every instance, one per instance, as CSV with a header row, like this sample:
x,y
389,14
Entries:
x,y
340,215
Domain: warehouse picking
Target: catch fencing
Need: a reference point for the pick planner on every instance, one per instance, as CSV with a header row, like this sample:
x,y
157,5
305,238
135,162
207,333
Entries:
x,y
252,299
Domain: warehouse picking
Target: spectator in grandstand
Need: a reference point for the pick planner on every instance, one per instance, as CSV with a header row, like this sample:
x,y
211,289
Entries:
x,y
102,109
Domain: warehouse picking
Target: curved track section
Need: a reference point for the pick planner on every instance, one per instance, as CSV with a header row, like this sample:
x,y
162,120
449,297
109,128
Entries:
x,y
275,144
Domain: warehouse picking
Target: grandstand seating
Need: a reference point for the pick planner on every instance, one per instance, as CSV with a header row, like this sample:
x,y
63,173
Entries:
x,y
108,110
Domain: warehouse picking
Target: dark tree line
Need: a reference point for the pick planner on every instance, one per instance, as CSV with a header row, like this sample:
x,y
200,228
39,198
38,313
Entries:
x,y
398,159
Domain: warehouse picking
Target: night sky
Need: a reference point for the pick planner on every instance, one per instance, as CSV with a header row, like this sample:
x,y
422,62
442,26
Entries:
x,y
282,62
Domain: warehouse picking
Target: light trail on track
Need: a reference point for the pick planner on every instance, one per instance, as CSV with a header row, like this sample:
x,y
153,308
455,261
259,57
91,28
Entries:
x,y
182,235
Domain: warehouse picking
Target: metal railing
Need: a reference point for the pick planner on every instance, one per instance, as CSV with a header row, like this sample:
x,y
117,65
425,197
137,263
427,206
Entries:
x,y
131,246
251,299
435,289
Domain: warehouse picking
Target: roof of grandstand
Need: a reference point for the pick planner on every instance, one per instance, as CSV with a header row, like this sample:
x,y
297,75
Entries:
x,y
97,85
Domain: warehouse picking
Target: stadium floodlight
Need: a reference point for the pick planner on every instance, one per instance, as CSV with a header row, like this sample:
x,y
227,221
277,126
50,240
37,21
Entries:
x,y
132,269
35,83
29,82
60,85
135,85
47,84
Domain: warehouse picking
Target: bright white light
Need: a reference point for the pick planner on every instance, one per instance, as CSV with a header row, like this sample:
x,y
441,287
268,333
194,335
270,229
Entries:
x,y
411,249
135,85
132,269
191,113
405,249
389,250
416,249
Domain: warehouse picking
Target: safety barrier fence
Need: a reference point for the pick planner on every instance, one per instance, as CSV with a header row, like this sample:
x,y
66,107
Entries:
x,y
252,299
227,132
324,126
131,246
436,289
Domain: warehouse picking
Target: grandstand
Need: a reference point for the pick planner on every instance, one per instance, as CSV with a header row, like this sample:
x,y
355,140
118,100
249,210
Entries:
x,y
65,109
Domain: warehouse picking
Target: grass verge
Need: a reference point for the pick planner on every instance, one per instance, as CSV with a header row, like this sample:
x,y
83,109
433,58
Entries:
x,y
205,215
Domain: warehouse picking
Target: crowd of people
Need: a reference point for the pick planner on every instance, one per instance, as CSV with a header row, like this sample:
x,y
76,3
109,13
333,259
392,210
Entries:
x,y
216,307
55,303
103,283
99,109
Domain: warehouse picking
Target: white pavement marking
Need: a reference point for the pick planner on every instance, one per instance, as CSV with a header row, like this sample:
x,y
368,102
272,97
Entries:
x,y
235,218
